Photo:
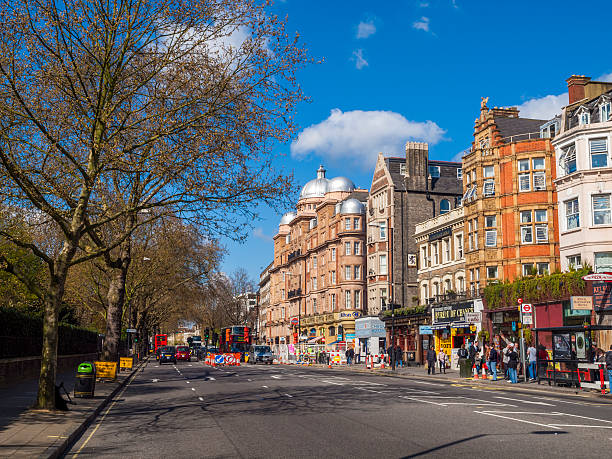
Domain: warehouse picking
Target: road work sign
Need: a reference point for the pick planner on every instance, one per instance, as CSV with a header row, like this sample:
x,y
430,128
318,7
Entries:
x,y
126,363
106,370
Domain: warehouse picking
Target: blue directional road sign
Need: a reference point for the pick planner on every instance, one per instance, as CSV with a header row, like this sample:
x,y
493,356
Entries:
x,y
219,358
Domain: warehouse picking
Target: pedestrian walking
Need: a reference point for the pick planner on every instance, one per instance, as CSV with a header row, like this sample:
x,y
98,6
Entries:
x,y
493,359
391,354
609,366
351,356
532,355
505,359
399,357
442,361
431,361
513,360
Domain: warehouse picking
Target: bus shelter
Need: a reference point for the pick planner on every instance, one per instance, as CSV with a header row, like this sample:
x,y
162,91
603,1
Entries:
x,y
567,347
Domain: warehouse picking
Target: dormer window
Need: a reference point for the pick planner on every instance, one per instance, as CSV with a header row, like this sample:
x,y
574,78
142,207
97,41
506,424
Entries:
x,y
584,117
604,111
403,170
550,129
434,171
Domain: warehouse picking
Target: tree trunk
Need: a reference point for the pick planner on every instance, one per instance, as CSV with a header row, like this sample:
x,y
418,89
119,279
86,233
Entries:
x,y
53,301
115,298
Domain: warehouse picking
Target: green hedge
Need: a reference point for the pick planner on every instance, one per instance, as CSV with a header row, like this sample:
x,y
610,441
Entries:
x,y
406,311
21,336
535,289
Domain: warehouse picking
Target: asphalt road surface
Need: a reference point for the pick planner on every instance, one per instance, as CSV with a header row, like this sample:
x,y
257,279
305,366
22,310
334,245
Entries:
x,y
192,410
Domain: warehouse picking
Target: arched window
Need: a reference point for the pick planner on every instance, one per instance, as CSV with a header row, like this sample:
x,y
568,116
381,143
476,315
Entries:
x,y
444,206
332,331
340,331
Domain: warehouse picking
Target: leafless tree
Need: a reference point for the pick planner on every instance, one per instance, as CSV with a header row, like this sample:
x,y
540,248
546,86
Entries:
x,y
109,109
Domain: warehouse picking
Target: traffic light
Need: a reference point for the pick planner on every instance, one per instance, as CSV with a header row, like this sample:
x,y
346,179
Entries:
x,y
206,333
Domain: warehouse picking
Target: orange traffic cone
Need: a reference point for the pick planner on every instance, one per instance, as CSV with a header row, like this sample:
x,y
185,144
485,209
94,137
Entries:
x,y
475,372
484,372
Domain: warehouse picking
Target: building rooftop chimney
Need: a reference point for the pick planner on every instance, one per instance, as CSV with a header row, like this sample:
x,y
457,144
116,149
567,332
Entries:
x,y
575,87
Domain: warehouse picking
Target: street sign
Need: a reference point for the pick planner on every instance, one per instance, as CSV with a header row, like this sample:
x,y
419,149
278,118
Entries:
x,y
219,358
526,308
126,363
473,317
527,319
131,330
294,321
106,369
520,300
425,330
598,277
582,303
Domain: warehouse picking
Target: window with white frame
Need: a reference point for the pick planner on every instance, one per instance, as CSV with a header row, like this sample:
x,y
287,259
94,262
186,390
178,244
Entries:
x,y
601,209
539,181
543,268
527,269
490,230
347,299
287,238
357,272
488,172
526,216
538,164
382,265
541,215
604,112
527,234
574,261
357,299
333,254
572,214
332,301
447,285
332,277
541,232
314,262
460,284
523,165
314,305
314,283
424,294
599,153
584,118
568,159
491,272
403,169
436,255
488,188
444,206
459,173
424,263
356,224
434,171
357,248
347,224
447,245
383,297
347,248
459,246
603,262
322,281
383,231
524,180
347,272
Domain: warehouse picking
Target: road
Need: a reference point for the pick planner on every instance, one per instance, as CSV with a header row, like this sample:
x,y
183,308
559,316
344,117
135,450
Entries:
x,y
192,410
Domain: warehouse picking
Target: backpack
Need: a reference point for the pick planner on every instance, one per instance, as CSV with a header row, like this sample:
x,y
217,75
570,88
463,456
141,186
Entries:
x,y
462,353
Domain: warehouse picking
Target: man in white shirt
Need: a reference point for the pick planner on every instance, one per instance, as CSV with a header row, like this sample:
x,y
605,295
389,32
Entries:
x,y
532,359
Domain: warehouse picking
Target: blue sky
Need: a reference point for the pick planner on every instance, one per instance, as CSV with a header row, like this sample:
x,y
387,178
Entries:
x,y
395,71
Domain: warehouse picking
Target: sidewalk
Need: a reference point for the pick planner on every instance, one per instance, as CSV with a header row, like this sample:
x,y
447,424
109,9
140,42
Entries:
x,y
33,433
452,376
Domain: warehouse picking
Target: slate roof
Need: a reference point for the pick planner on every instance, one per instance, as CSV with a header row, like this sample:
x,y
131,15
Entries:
x,y
571,119
517,126
393,164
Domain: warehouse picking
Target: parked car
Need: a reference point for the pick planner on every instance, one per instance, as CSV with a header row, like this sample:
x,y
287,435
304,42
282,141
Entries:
x,y
261,354
183,353
167,354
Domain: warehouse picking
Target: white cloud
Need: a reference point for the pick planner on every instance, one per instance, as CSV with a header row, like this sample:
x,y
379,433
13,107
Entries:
x,y
360,61
422,24
259,234
365,29
358,136
543,108
424,4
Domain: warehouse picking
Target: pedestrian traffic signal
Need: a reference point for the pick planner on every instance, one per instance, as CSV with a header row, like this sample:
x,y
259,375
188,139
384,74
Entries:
x,y
206,333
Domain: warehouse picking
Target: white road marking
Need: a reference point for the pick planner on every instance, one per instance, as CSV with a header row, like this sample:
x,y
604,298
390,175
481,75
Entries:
x,y
276,376
192,388
265,386
210,378
190,365
524,401
249,380
369,390
579,425
187,382
200,399
586,417
290,396
488,413
155,380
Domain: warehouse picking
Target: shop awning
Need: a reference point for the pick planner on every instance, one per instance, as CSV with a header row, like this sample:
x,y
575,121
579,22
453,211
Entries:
x,y
439,326
460,325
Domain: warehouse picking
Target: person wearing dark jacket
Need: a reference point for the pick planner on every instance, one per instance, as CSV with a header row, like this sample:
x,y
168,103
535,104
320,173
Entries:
x,y
391,354
493,359
399,356
431,361
513,360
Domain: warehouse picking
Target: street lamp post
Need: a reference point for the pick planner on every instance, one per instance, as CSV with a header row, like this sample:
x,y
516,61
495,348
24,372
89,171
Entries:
x,y
287,273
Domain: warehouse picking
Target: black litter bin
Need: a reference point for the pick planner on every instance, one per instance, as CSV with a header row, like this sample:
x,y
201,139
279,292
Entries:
x,y
465,368
85,383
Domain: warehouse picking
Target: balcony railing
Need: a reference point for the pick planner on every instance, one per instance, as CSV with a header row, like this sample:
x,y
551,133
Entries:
x,y
294,293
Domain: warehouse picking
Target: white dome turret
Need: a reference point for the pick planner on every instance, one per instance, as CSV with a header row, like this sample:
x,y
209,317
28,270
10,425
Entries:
x,y
341,184
287,218
352,206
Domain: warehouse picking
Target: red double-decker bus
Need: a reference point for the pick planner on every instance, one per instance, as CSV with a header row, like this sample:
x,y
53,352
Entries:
x,y
160,340
235,339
